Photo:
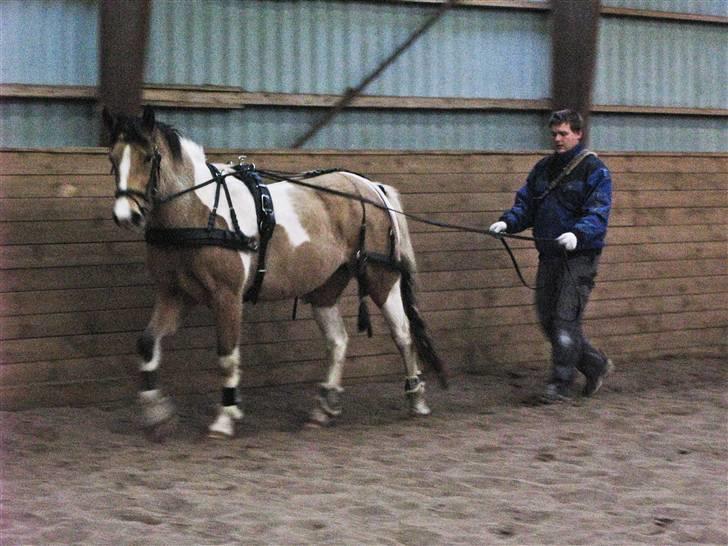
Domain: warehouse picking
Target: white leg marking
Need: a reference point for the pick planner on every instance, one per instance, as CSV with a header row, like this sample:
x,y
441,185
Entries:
x,y
332,326
393,311
224,424
231,366
153,364
565,339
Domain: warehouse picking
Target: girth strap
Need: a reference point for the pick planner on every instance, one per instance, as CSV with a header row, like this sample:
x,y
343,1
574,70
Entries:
x,y
266,222
199,237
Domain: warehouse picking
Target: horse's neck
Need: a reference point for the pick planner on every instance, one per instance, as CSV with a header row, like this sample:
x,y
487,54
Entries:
x,y
176,176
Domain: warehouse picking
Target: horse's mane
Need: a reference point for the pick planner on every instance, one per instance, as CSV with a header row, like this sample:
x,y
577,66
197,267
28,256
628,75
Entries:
x,y
133,131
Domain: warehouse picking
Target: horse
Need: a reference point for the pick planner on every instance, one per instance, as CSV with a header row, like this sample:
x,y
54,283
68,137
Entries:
x,y
317,245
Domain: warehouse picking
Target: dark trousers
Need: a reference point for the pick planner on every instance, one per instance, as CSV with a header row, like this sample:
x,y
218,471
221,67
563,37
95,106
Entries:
x,y
561,299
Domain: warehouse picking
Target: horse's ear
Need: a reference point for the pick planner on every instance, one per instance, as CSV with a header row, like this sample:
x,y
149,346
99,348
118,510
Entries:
x,y
109,120
148,118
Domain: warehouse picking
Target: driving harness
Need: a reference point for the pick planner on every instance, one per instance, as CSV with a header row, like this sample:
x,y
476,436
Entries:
x,y
235,239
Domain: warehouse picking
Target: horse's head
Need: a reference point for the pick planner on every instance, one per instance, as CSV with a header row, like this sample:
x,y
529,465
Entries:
x,y
135,162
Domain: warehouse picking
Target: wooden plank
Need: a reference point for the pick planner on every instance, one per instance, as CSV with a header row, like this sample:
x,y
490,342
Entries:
x,y
110,298
95,392
254,326
98,230
57,278
65,231
102,185
80,161
93,161
19,280
648,243
55,185
96,211
236,98
198,344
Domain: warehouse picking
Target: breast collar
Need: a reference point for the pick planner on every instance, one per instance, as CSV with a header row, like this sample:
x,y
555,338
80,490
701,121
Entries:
x,y
234,238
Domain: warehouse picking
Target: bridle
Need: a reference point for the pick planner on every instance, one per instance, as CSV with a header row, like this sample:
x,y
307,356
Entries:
x,y
150,195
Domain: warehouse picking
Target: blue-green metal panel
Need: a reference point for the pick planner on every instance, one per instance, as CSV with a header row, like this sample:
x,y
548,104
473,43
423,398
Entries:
x,y
695,7
49,42
658,133
44,124
661,63
255,128
324,47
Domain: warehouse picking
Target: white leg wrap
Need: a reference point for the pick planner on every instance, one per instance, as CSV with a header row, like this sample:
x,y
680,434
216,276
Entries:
x,y
156,408
224,425
416,400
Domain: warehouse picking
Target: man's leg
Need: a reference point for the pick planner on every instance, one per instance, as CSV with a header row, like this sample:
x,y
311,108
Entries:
x,y
570,349
549,293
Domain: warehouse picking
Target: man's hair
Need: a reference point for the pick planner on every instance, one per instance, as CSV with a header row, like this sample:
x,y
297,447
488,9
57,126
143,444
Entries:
x,y
572,117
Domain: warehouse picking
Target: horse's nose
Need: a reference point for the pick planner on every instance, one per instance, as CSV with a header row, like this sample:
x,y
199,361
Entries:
x,y
136,218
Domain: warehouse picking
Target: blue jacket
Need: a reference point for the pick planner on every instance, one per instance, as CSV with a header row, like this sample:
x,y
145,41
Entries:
x,y
580,203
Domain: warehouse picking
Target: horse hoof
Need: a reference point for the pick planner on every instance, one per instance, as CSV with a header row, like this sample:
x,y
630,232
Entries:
x,y
224,425
417,405
159,432
319,419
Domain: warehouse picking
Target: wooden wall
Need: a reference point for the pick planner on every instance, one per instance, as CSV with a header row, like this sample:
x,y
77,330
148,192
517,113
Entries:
x,y
74,295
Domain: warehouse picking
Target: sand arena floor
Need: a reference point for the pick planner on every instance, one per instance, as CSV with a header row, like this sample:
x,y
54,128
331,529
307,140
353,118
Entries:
x,y
645,462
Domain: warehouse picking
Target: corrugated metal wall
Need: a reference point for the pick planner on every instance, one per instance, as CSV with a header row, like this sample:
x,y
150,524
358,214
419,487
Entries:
x,y
52,42
644,62
324,46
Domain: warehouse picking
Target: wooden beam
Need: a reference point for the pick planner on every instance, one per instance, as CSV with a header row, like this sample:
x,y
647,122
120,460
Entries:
x,y
574,46
608,11
233,98
124,29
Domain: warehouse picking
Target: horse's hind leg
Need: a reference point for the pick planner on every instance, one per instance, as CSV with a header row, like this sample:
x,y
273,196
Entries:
x,y
393,310
157,409
228,308
333,328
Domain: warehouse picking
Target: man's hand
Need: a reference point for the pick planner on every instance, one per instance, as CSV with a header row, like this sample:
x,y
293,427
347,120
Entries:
x,y
567,240
498,227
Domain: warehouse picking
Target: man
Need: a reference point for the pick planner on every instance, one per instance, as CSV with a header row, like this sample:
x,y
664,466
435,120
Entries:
x,y
566,200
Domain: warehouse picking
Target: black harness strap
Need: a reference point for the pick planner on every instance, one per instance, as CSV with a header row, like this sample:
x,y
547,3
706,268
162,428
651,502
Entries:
x,y
233,239
266,222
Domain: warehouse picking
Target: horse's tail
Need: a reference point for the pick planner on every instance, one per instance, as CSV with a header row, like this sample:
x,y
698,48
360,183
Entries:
x,y
408,269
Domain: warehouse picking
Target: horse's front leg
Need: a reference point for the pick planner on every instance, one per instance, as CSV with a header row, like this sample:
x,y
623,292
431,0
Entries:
x,y
157,410
228,307
333,328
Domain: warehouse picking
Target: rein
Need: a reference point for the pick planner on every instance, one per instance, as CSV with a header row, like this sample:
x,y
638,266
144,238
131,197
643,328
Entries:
x,y
237,240
300,180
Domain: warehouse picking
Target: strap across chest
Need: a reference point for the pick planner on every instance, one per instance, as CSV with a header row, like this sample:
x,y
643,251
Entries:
x,y
233,239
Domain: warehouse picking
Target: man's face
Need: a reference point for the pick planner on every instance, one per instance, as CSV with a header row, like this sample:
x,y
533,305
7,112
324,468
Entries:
x,y
564,138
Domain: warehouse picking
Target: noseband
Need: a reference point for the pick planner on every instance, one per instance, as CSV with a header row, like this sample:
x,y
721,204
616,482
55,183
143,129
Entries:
x,y
150,193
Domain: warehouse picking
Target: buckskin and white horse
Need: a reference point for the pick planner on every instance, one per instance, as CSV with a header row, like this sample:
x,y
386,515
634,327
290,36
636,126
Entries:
x,y
312,242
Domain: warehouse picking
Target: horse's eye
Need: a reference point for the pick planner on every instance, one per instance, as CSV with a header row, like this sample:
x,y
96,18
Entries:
x,y
148,158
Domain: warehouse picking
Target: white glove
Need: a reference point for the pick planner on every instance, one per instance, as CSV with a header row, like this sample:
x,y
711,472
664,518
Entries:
x,y
498,227
567,240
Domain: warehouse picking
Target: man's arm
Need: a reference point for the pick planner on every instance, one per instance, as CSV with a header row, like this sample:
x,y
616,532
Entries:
x,y
593,223
520,215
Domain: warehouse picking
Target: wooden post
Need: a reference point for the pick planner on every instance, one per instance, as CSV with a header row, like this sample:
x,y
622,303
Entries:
x,y
124,28
574,49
